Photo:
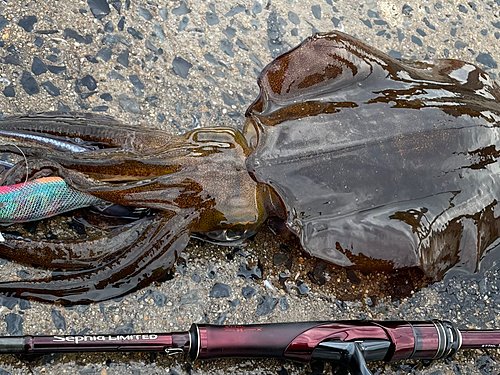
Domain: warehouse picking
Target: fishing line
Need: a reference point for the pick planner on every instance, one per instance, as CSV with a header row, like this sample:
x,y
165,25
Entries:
x,y
25,160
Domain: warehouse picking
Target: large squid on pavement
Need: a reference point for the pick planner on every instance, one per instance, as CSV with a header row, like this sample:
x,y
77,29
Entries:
x,y
372,162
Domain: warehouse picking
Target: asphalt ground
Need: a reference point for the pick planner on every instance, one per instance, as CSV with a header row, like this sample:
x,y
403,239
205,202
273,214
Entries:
x,y
179,65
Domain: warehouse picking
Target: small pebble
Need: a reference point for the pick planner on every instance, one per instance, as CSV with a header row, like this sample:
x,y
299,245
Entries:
x,y
159,298
9,91
229,32
265,305
252,273
181,10
227,47
316,11
104,54
122,58
58,320
27,22
121,24
256,7
293,18
158,30
302,288
23,274
51,88
134,79
12,59
487,60
3,22
136,34
129,104
212,18
14,324
89,82
407,10
38,41
234,11
144,13
61,107
72,34
56,69
52,58
353,277
220,290
181,67
163,14
91,59
106,97
183,23
228,100
99,8
248,292
117,4
29,83
8,302
241,45
76,226
24,304
196,278
416,40
161,119
222,319
284,305
109,27
279,258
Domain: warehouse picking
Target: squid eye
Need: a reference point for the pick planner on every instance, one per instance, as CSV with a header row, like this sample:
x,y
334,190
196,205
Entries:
x,y
227,236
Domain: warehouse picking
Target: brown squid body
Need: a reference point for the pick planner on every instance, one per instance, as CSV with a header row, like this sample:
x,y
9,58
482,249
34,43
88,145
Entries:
x,y
374,163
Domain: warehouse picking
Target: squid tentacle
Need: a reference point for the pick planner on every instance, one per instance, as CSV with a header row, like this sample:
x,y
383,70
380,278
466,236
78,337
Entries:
x,y
85,253
83,130
140,263
101,166
36,168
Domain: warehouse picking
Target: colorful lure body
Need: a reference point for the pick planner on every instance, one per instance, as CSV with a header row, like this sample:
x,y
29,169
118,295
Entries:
x,y
39,199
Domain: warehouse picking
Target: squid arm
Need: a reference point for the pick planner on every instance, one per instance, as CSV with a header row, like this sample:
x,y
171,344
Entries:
x,y
136,265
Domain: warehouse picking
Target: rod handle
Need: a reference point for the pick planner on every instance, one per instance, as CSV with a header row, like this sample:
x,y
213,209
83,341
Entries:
x,y
256,341
13,345
293,341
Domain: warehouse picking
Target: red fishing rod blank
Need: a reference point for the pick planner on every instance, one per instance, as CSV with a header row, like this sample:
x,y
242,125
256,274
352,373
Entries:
x,y
348,343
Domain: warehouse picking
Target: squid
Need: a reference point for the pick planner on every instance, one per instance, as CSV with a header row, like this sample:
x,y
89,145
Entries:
x,y
372,162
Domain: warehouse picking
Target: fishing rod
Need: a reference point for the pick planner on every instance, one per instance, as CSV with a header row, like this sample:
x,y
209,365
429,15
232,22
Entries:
x,y
348,343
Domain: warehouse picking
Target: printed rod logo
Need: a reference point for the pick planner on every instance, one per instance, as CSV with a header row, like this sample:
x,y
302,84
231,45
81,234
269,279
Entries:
x,y
78,339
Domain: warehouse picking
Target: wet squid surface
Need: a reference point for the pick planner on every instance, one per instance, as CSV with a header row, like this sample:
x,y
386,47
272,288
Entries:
x,y
373,163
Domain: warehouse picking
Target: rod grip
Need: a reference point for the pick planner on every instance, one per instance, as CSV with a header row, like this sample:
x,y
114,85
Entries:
x,y
259,340
293,341
12,345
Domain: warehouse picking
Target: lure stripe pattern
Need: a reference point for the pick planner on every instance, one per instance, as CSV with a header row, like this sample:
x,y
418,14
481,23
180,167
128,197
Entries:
x,y
39,199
